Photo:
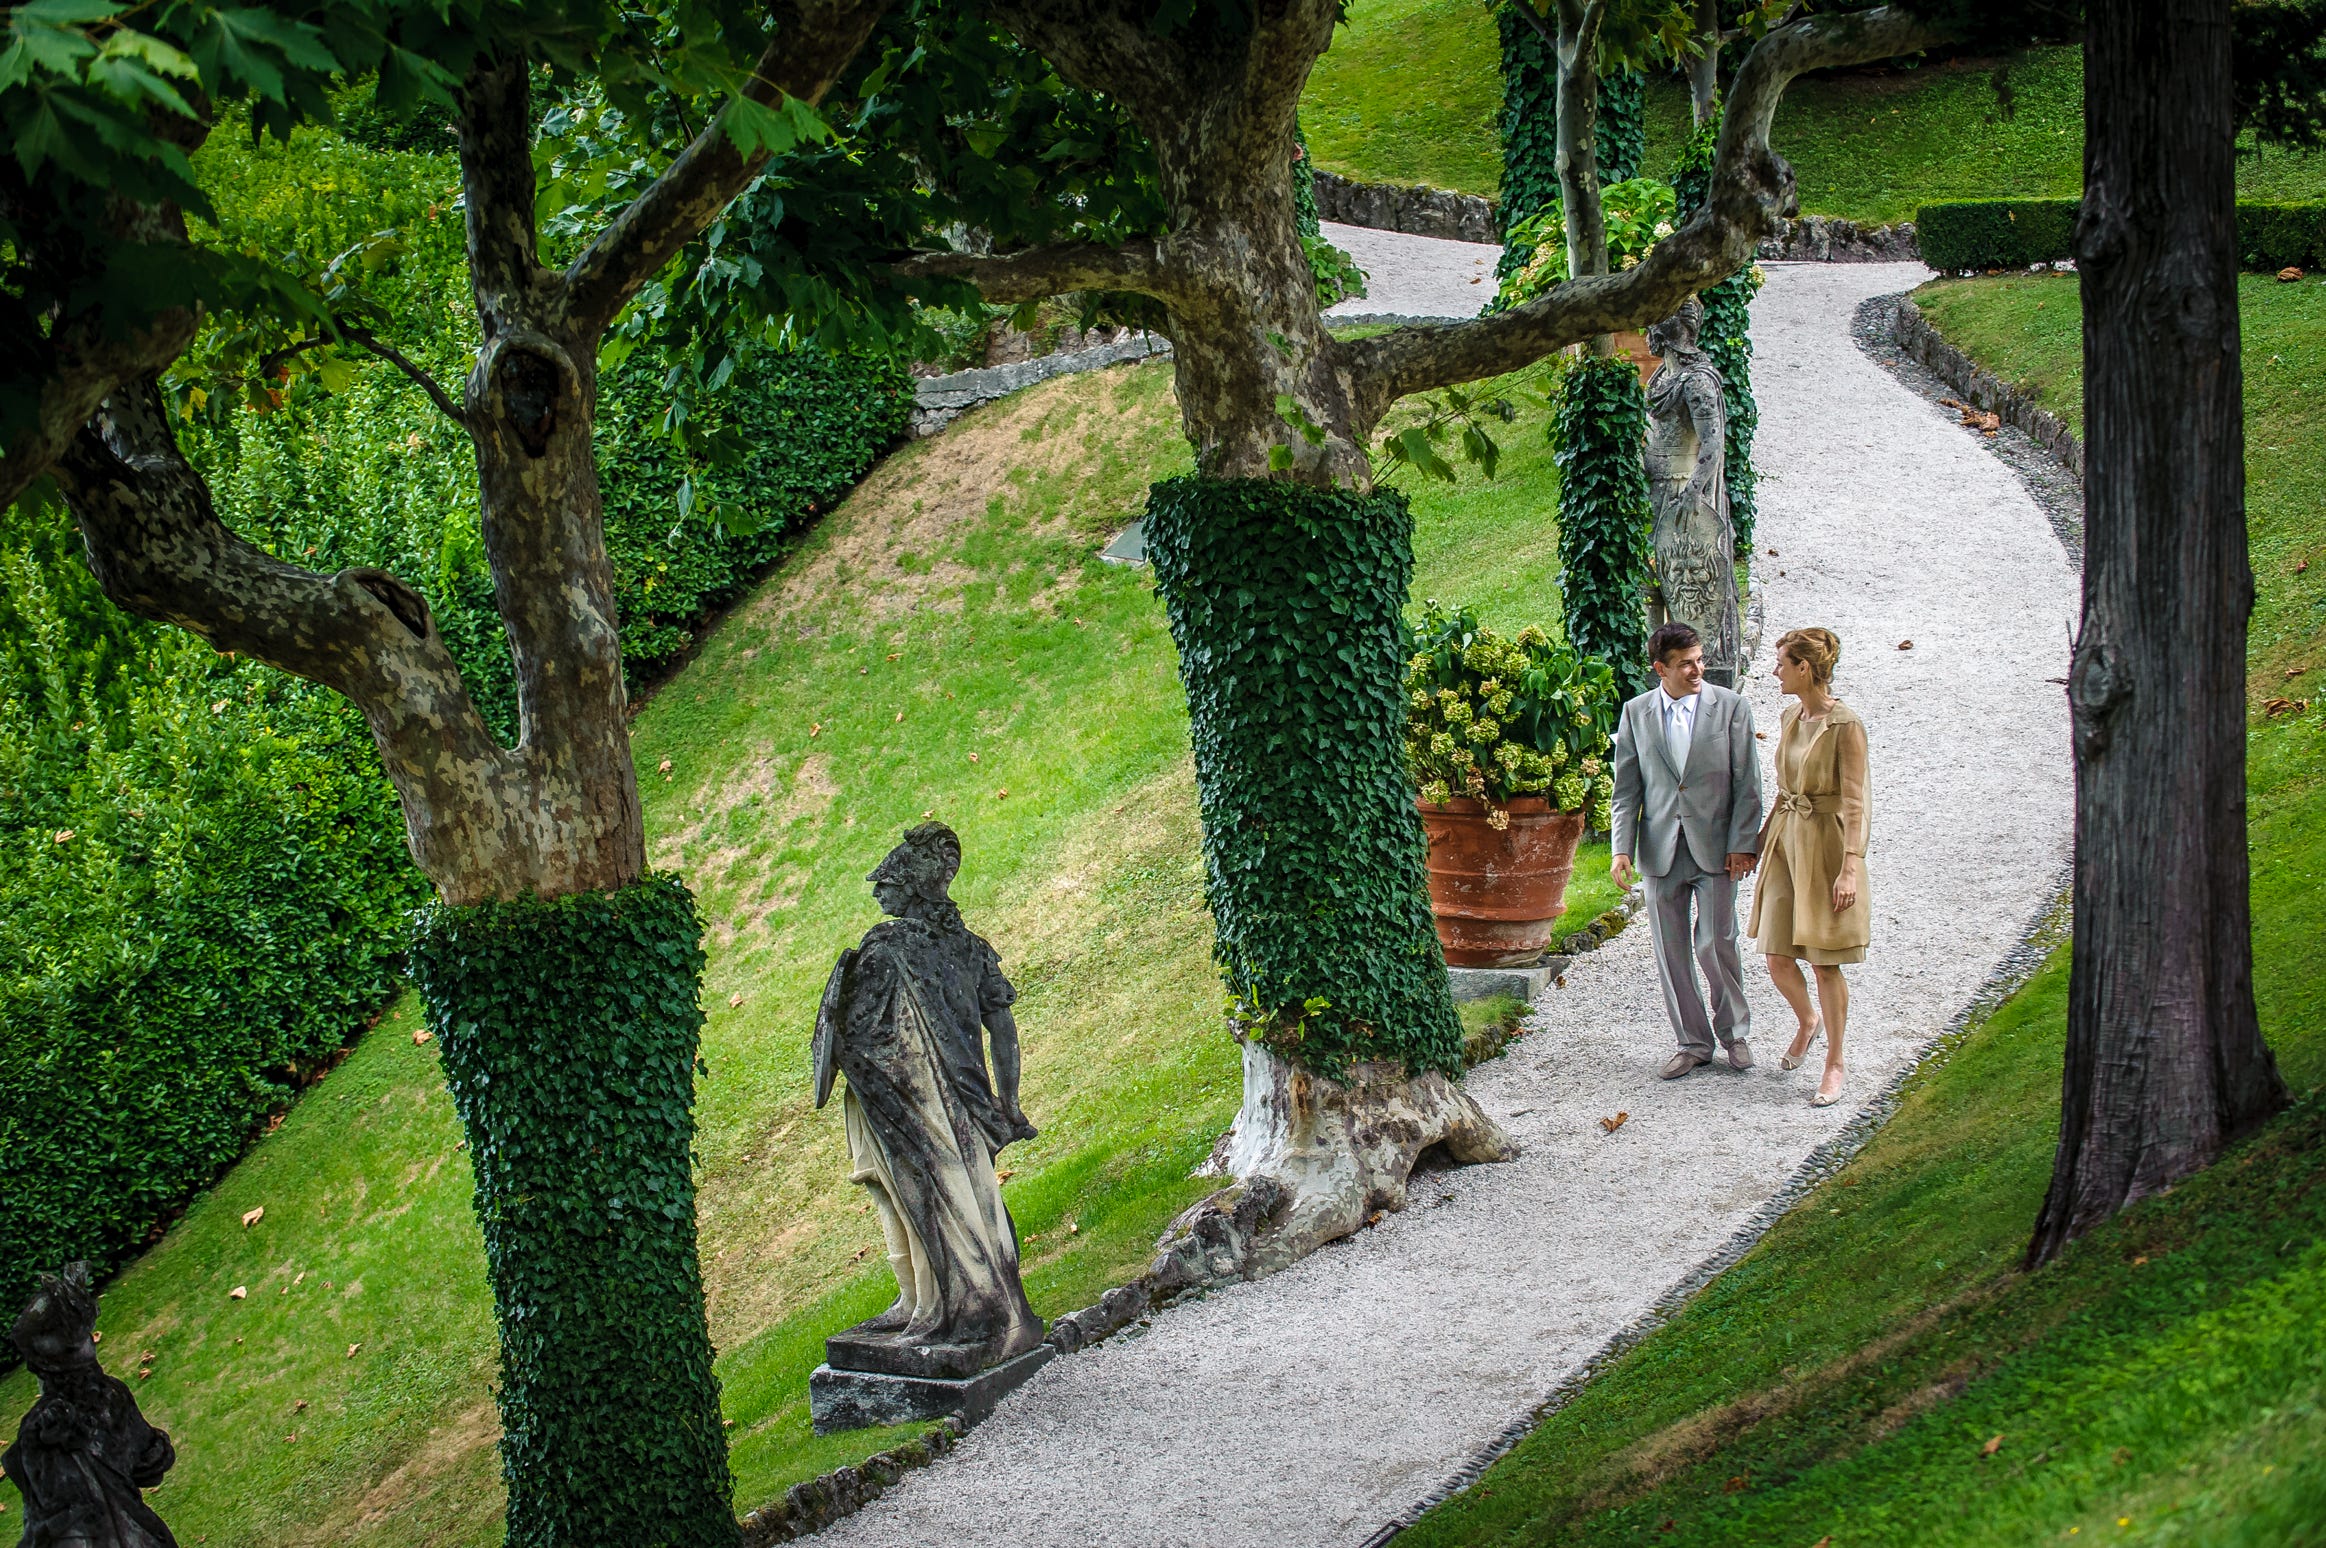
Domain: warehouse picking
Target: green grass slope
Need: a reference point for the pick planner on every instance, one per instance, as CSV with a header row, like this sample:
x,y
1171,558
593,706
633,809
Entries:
x,y
1411,92
947,635
1877,1371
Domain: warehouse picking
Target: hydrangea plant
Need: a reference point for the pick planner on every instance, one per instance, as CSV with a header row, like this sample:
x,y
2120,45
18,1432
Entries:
x,y
1489,717
1639,214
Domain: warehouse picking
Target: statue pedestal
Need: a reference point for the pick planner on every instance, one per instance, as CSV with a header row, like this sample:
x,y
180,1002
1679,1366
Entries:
x,y
851,1400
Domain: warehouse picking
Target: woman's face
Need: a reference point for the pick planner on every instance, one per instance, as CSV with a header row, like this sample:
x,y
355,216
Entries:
x,y
1792,675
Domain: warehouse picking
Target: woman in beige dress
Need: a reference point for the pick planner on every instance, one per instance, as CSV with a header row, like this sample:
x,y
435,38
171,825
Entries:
x,y
1811,904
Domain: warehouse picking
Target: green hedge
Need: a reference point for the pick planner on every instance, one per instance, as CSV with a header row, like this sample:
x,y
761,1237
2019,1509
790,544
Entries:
x,y
2015,233
1287,605
202,893
569,1030
230,907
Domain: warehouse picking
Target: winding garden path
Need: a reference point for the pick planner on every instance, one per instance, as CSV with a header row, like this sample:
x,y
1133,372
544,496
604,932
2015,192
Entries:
x,y
1313,1407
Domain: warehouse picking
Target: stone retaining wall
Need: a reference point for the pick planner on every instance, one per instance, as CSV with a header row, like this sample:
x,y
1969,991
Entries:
x,y
1826,239
1418,210
937,399
1982,389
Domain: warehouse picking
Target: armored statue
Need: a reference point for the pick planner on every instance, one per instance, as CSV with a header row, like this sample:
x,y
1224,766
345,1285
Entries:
x,y
1695,539
904,1018
84,1451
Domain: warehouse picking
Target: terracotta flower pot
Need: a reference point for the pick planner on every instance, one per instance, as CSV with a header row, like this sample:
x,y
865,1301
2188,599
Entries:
x,y
1497,892
1643,359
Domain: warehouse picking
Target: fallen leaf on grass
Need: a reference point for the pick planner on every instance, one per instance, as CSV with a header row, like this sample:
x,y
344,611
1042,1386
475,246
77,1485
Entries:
x,y
1991,1447
251,1217
2289,275
734,1000
1002,794
351,1349
421,1036
1615,1123
900,715
663,767
2294,672
1737,1484
892,655
815,731
2285,706
239,1292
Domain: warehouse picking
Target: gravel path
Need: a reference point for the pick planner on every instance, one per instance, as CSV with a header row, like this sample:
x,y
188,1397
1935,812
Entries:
x,y
1315,1406
1413,276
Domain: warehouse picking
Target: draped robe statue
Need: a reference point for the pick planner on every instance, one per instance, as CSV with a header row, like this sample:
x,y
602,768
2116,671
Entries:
x,y
84,1452
904,1018
1695,539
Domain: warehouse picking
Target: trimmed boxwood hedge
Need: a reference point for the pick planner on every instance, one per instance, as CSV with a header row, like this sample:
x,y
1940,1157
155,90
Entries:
x,y
2016,233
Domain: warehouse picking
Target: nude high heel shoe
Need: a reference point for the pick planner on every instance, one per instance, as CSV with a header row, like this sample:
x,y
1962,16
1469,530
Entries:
x,y
1825,1098
1792,1061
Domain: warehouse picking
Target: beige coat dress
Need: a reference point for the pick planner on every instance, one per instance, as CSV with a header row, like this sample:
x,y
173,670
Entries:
x,y
1821,814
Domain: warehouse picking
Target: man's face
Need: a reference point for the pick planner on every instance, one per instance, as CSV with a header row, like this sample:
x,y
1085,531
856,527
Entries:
x,y
890,894
1682,671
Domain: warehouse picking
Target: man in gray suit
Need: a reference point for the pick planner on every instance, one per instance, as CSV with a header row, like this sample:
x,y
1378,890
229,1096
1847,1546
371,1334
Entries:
x,y
1688,806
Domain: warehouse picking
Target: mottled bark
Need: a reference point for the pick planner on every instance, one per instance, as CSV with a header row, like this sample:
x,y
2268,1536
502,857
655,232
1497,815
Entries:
x,y
1580,210
558,813
2165,1060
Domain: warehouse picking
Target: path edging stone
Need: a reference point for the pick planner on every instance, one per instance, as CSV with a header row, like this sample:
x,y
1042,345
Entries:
x,y
1415,209
1982,388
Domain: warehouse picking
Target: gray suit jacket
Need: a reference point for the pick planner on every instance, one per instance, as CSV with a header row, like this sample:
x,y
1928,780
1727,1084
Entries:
x,y
1714,803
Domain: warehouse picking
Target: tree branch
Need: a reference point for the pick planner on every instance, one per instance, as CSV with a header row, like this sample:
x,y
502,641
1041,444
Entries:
x,y
157,547
1751,191
370,341
807,56
83,367
1036,272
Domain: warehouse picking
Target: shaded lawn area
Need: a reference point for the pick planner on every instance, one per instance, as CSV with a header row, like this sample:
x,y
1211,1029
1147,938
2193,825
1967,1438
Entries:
x,y
348,1397
1411,92
1877,1370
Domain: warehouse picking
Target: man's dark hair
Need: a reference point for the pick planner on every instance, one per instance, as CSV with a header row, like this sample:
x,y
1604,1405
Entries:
x,y
1670,637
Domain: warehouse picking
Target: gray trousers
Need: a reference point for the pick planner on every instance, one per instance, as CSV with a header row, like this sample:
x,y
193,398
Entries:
x,y
1713,938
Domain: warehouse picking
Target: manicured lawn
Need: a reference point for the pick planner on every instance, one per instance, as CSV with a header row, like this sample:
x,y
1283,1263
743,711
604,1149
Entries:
x,y
1411,92
946,636
2028,329
1877,1370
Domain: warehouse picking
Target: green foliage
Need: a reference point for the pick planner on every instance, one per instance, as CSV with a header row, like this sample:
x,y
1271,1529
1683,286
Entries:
x,y
1623,125
1337,274
1726,335
2278,236
1285,603
1638,214
1490,718
202,884
1996,233
2020,233
1604,548
569,1030
1443,413
1530,137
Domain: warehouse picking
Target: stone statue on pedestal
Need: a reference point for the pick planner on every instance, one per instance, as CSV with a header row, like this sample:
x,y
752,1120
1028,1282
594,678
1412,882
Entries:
x,y
1695,539
84,1452
905,1018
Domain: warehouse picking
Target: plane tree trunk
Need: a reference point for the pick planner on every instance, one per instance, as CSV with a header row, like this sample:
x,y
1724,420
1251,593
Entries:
x,y
2165,1059
561,978
1284,573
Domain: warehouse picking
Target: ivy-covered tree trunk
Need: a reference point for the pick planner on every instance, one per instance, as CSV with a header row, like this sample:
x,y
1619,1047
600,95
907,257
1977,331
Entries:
x,y
1605,549
560,976
1726,335
2165,1060
1623,125
1284,575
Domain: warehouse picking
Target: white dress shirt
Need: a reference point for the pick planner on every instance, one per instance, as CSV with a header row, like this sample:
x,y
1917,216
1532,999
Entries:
x,y
1679,727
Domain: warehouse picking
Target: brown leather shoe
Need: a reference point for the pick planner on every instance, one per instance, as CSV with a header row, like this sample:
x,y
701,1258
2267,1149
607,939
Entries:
x,y
1740,1054
1681,1063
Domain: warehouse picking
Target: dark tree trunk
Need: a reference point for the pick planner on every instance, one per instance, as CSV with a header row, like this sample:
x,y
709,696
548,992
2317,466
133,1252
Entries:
x,y
2165,1061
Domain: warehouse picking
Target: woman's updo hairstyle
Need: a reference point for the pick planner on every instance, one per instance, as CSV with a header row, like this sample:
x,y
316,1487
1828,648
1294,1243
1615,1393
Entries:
x,y
1816,649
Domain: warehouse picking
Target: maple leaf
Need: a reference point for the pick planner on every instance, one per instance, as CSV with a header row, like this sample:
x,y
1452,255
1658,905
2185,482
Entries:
x,y
1991,1447
1615,1123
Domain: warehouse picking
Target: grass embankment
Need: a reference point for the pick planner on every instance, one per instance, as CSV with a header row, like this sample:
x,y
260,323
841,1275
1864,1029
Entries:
x,y
1411,92
946,635
2165,1381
